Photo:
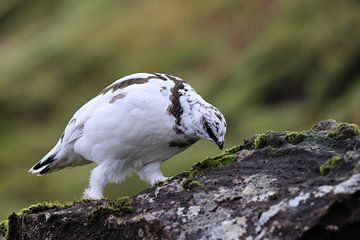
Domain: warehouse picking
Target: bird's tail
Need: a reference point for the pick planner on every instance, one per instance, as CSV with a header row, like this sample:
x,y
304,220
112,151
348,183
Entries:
x,y
45,164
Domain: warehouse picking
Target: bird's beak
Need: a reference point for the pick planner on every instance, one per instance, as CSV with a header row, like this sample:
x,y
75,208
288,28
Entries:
x,y
220,144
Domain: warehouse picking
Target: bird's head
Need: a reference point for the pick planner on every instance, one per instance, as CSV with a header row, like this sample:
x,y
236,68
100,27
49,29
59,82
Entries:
x,y
212,126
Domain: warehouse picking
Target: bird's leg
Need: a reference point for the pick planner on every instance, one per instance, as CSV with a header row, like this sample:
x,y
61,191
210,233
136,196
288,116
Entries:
x,y
98,180
151,173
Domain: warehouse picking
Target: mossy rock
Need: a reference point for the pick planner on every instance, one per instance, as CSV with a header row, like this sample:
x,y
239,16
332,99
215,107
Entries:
x,y
261,141
294,137
275,196
4,228
120,206
41,207
344,131
191,184
330,163
222,160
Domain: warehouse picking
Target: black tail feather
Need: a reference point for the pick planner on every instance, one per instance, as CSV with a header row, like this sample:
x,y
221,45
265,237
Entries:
x,y
45,170
40,164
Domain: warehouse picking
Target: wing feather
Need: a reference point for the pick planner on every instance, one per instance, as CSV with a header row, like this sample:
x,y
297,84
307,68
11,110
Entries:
x,y
76,134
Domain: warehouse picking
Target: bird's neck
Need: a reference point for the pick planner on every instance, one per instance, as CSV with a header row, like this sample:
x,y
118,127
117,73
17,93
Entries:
x,y
192,116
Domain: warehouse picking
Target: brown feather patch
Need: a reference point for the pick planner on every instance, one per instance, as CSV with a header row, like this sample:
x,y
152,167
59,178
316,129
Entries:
x,y
128,82
117,97
175,108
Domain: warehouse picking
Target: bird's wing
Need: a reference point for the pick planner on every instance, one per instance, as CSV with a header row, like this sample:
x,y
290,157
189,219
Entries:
x,y
75,128
76,134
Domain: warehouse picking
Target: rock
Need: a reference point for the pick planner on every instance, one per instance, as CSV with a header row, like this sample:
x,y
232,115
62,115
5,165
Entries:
x,y
274,186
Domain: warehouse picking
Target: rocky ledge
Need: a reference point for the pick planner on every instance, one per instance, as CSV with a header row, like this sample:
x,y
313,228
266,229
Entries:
x,y
286,185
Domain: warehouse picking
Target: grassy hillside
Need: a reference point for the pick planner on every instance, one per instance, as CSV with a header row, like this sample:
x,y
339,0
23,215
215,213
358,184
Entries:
x,y
268,65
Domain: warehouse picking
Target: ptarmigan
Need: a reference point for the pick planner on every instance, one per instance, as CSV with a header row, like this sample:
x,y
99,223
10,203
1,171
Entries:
x,y
134,124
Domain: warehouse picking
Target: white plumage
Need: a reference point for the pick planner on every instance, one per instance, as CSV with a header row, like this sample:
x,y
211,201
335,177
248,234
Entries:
x,y
134,124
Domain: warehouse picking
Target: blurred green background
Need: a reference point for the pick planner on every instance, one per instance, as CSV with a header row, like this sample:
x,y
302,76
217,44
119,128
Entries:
x,y
268,65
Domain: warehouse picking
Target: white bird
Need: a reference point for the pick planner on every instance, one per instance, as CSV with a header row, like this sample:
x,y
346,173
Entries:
x,y
134,124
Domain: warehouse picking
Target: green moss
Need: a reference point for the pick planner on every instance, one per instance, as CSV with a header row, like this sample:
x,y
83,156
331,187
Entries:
x,y
294,137
40,207
355,127
274,196
228,157
326,167
120,206
79,201
233,150
343,126
340,130
210,163
180,176
332,134
344,131
261,141
4,228
191,183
